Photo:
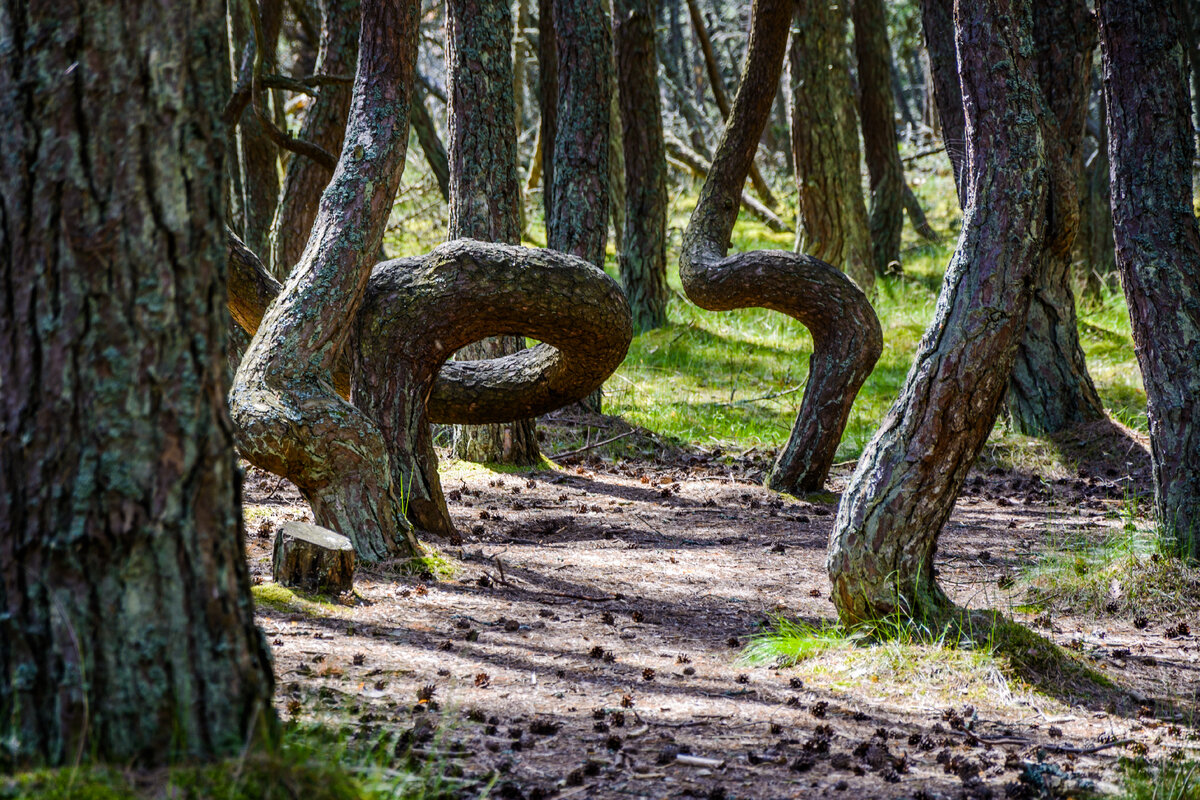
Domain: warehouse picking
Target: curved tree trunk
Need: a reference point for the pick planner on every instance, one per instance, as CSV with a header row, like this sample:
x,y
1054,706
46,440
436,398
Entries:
x,y
1050,388
909,475
877,110
642,260
1157,243
289,420
126,626
324,125
485,190
832,220
846,335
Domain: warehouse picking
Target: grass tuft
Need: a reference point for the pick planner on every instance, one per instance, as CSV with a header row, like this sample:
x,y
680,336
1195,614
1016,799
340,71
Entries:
x,y
1165,779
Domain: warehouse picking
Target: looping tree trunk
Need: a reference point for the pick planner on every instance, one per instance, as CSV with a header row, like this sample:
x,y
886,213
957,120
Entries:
x,y
289,420
909,475
846,334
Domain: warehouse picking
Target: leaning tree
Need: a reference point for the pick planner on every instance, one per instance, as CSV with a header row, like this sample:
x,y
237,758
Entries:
x,y
126,623
847,339
1157,242
343,327
909,475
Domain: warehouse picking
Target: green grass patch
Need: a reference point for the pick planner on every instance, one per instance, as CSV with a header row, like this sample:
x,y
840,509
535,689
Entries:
x,y
1163,779
310,763
281,598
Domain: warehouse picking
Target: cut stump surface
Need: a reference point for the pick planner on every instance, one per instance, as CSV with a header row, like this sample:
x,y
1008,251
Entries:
x,y
313,558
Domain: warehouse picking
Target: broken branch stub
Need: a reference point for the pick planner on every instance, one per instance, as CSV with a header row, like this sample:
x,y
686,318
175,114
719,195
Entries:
x,y
847,338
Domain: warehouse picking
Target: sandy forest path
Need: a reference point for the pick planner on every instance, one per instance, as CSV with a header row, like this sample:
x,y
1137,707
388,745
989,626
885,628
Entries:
x,y
587,643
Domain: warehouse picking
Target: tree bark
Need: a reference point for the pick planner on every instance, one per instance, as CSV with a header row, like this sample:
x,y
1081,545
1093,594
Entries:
x,y
289,420
909,475
877,110
127,631
1157,243
548,101
847,339
1050,388
832,220
324,125
1094,247
485,189
642,260
937,20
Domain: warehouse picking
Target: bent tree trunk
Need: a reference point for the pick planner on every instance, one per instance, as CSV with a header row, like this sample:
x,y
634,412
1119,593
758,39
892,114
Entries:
x,y
324,125
288,418
1050,388
1158,245
877,110
887,527
937,22
485,190
847,339
642,260
431,143
832,218
126,626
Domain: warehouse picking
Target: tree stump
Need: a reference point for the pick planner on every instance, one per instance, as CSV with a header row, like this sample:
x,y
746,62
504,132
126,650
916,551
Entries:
x,y
313,558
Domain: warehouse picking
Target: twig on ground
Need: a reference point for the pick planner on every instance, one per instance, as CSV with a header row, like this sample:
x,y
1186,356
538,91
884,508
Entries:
x,y
771,396
593,445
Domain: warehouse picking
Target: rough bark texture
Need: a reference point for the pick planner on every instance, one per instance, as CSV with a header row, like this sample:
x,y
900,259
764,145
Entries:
x,y
847,339
485,189
1050,388
431,143
909,475
126,630
937,20
832,220
1157,242
324,125
1094,247
877,110
548,101
312,558
642,260
289,420
419,311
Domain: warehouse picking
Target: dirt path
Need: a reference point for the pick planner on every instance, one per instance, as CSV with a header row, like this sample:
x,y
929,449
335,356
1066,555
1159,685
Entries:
x,y
591,631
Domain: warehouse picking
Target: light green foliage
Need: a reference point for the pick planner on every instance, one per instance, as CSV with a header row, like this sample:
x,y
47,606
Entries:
x,y
1167,779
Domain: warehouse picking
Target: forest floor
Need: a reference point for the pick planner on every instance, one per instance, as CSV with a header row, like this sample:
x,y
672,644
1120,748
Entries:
x,y
587,639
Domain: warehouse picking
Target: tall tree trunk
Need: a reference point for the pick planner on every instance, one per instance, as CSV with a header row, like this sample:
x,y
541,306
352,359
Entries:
x,y
901,97
832,217
289,420
1050,388
324,125
642,260
877,109
909,475
577,219
127,630
937,21
1157,243
1094,247
846,336
485,189
548,100
616,150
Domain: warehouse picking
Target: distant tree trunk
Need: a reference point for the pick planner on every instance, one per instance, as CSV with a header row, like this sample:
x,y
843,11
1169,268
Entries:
x,y
901,97
846,334
485,188
642,260
832,217
616,150
548,100
289,420
431,143
719,94
1050,388
258,157
881,558
577,219
324,125
877,109
1157,243
937,20
1094,246
126,626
